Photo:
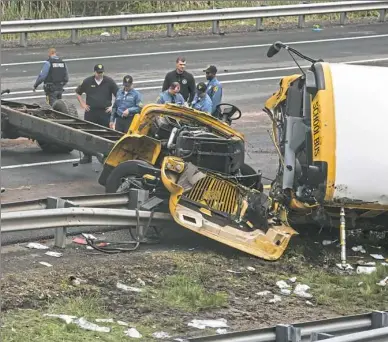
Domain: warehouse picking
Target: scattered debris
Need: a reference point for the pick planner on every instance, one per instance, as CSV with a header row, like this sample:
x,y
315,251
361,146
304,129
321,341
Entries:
x,y
68,319
89,236
79,241
132,332
104,320
161,335
292,280
344,267
45,264
275,299
54,254
76,281
377,256
360,283
285,292
231,271
105,34
84,324
122,323
359,249
300,291
191,249
128,288
309,303
282,284
35,245
221,331
252,269
264,293
366,269
328,242
141,282
210,323
383,282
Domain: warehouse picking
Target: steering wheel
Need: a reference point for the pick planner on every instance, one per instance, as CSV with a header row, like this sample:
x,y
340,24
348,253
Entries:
x,y
228,114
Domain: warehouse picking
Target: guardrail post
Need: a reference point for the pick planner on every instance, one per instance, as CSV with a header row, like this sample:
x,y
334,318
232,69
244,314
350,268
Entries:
x,y
379,319
382,15
74,34
288,333
123,31
23,39
343,18
170,30
216,27
301,21
136,198
259,24
320,336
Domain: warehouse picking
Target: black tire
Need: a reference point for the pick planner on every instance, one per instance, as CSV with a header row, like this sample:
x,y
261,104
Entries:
x,y
125,169
63,107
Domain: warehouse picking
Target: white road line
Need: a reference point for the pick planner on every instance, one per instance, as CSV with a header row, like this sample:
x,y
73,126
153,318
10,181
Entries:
x,y
158,87
39,164
220,74
158,53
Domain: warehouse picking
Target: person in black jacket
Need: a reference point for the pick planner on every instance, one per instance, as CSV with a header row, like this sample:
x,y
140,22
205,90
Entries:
x,y
184,78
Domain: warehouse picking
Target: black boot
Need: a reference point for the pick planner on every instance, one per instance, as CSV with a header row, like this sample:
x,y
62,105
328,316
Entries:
x,y
86,159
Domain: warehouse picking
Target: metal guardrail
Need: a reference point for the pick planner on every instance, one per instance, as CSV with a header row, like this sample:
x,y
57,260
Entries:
x,y
357,328
171,18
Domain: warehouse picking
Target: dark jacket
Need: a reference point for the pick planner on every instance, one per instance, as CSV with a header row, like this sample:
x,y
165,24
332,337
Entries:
x,y
186,80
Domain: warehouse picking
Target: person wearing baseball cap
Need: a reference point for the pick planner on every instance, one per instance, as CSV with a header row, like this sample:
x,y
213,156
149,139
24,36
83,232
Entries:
x,y
128,103
214,87
202,101
99,90
171,95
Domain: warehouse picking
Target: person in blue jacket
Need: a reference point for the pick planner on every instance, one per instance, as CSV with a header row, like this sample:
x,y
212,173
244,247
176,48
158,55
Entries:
x,y
202,100
128,102
171,95
214,88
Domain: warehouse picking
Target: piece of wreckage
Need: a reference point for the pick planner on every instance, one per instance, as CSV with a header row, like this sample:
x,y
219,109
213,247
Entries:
x,y
329,130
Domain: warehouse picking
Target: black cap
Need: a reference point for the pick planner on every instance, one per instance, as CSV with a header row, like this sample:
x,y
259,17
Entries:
x,y
99,68
201,87
127,80
211,68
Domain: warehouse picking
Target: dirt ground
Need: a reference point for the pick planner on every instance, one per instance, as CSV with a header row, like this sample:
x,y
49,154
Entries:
x,y
185,277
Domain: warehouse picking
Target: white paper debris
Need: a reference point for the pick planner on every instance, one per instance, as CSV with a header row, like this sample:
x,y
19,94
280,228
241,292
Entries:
x,y
344,267
54,254
309,303
235,272
132,332
359,249
292,280
122,323
282,284
360,283
89,236
68,319
300,291
377,256
45,264
210,323
327,242
35,245
84,324
105,34
383,282
365,270
221,331
141,282
252,269
160,335
127,288
104,320
275,299
264,293
285,292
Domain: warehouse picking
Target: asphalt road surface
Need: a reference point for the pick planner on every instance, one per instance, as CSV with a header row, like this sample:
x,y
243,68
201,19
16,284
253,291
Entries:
x,y
248,76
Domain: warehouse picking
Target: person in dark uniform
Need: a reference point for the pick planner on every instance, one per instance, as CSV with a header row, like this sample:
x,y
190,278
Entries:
x,y
54,76
99,90
184,78
128,103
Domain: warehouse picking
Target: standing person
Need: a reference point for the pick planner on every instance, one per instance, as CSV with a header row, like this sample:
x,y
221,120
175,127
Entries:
x,y
184,78
214,88
54,75
202,100
171,95
99,90
128,102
